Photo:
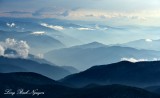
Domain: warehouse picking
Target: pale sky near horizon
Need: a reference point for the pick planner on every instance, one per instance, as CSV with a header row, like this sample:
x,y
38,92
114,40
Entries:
x,y
146,12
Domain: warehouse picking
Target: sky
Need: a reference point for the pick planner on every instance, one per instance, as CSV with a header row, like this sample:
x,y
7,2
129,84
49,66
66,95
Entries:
x,y
120,12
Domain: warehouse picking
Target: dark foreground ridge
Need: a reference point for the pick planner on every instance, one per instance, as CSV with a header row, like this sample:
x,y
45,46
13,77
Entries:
x,y
53,89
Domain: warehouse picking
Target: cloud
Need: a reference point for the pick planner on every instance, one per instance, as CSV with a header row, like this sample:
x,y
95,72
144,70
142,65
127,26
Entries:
x,y
17,12
127,12
86,29
90,28
65,13
11,24
101,27
148,40
21,47
52,26
1,50
104,14
51,12
133,60
38,12
38,33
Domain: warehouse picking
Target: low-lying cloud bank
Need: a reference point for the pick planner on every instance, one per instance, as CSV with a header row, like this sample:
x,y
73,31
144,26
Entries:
x,y
21,47
56,27
134,60
38,33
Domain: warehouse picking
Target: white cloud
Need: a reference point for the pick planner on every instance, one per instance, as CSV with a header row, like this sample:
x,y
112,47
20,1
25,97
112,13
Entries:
x,y
148,40
96,27
21,47
138,60
58,27
11,25
38,33
52,26
100,28
85,29
133,60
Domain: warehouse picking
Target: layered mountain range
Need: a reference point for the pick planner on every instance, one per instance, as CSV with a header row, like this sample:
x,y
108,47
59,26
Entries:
x,y
87,55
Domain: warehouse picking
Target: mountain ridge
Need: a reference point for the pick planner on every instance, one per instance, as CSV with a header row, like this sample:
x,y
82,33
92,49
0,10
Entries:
x,y
83,58
52,71
138,74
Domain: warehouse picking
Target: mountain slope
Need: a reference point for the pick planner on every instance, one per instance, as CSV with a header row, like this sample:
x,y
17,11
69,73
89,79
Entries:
x,y
5,68
24,65
85,56
135,74
144,44
113,91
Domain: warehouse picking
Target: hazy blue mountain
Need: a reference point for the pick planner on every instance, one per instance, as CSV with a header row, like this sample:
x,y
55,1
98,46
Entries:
x,y
43,61
90,45
136,74
87,55
42,43
5,68
24,65
39,60
11,52
53,89
33,58
144,44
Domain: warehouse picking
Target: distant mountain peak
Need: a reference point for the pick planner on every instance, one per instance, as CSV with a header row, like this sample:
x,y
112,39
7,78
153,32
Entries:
x,y
95,43
91,45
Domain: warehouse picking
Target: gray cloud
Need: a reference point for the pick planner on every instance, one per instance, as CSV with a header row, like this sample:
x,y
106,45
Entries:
x,y
1,50
21,47
135,10
52,11
65,13
17,12
38,12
